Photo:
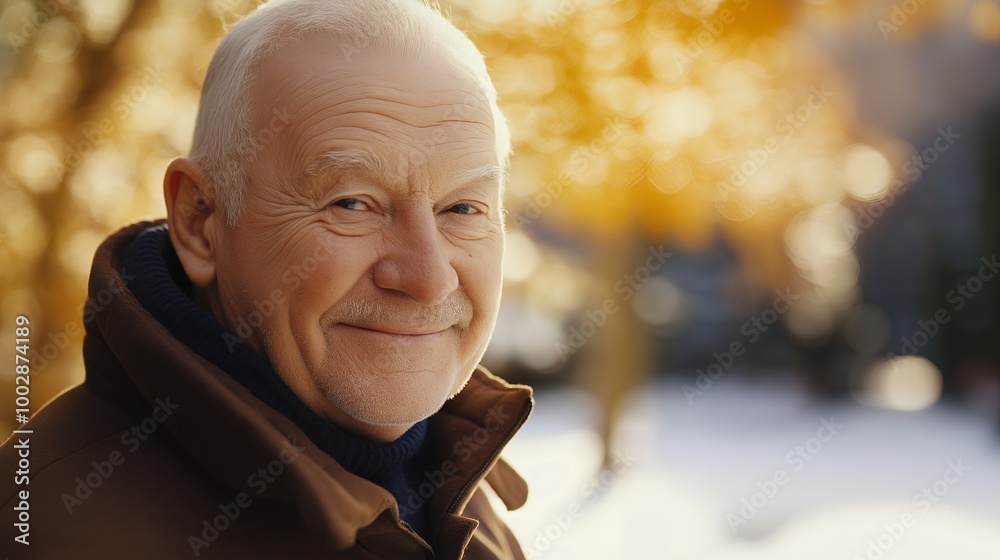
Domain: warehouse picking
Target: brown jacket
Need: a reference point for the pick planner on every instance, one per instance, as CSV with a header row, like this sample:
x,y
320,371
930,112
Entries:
x,y
160,454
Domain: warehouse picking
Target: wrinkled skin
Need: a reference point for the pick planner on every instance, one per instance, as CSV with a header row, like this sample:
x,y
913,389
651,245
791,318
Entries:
x,y
384,279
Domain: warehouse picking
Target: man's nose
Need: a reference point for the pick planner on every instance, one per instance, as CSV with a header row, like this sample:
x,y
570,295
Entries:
x,y
417,262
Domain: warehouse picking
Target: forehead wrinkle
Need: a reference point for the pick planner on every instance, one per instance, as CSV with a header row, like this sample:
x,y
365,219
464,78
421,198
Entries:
x,y
432,99
350,93
365,160
359,122
343,110
360,88
358,99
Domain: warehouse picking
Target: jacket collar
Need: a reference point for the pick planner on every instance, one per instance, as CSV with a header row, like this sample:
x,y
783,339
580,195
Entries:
x,y
129,354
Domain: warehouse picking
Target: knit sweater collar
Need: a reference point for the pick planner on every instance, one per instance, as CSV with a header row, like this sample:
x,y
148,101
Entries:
x,y
160,285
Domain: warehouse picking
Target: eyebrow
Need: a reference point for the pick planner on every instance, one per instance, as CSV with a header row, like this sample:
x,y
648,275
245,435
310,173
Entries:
x,y
364,161
346,160
482,174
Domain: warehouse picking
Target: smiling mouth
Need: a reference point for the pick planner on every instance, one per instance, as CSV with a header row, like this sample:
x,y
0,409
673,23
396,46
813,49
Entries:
x,y
403,334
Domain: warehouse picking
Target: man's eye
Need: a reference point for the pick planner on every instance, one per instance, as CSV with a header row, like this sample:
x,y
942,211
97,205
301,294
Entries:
x,y
351,204
463,209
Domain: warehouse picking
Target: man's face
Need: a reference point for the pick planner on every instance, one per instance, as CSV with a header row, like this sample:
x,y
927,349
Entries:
x,y
372,226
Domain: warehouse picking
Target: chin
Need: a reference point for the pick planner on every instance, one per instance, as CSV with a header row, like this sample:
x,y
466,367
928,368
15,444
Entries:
x,y
395,399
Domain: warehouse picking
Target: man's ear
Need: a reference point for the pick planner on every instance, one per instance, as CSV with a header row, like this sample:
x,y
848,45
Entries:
x,y
193,219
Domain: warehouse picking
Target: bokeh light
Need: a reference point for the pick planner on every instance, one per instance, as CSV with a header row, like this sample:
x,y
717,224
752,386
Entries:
x,y
903,383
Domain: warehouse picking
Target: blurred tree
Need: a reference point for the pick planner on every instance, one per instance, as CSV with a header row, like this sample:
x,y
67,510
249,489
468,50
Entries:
x,y
634,122
97,96
670,122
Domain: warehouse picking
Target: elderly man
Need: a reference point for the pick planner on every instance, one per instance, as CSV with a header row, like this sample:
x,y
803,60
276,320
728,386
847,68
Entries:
x,y
288,366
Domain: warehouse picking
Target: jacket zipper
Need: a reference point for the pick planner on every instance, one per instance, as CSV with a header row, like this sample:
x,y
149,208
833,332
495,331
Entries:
x,y
496,453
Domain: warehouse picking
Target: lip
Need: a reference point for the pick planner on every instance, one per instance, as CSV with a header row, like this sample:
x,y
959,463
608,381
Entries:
x,y
399,335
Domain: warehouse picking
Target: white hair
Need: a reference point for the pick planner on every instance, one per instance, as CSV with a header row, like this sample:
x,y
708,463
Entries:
x,y
224,143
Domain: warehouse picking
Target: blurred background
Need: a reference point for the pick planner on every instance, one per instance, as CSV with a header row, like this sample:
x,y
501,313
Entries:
x,y
750,267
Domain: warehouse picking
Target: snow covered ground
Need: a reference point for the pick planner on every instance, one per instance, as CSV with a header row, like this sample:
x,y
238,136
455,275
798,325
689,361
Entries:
x,y
758,471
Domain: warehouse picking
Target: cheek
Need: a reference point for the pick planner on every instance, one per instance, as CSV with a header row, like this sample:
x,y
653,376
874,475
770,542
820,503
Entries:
x,y
321,276
481,278
244,275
